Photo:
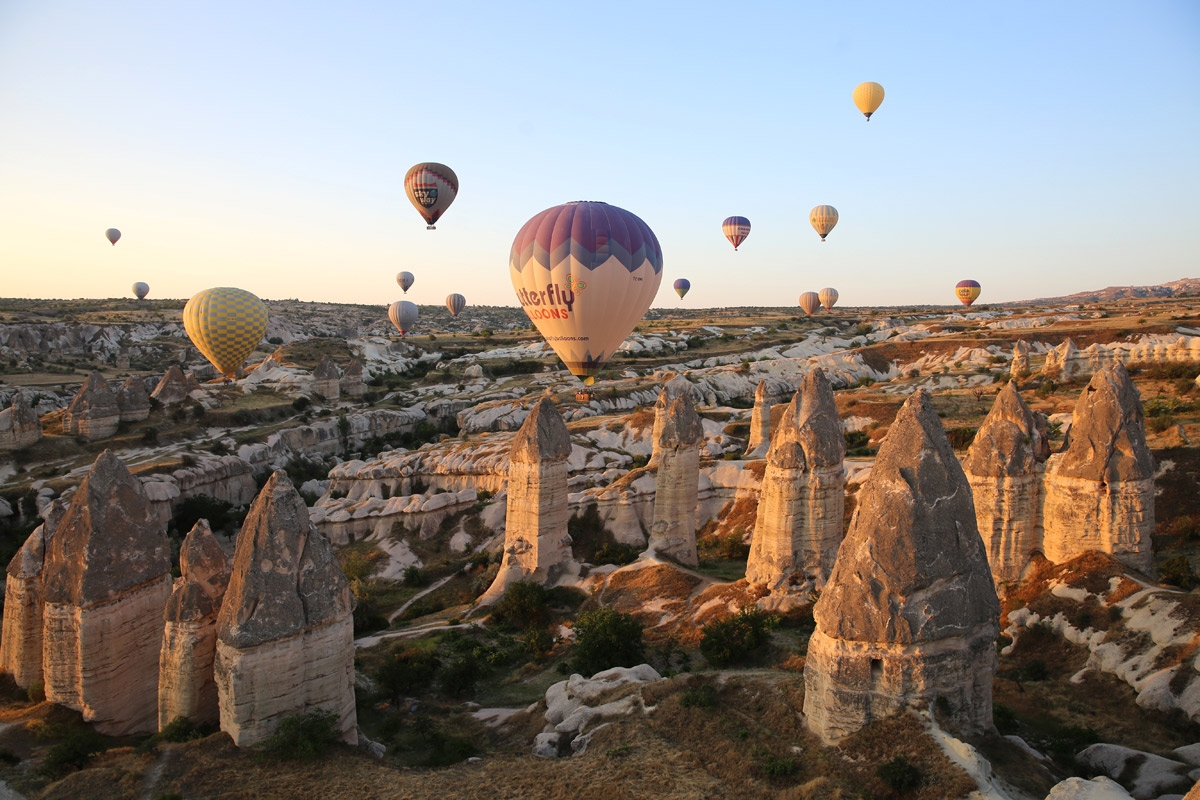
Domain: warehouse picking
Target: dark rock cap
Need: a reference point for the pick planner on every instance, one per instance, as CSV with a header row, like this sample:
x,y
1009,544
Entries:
x,y
94,393
1011,441
912,567
188,602
107,542
681,424
1107,440
353,370
285,578
810,433
543,436
203,560
31,557
327,370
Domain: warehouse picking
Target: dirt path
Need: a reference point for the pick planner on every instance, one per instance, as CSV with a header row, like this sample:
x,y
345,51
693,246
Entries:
x,y
432,587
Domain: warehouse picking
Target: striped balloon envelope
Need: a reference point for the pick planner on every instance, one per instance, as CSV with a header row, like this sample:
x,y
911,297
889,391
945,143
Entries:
x,y
455,303
829,297
823,218
967,291
403,315
585,273
736,229
868,97
225,324
431,188
810,302
405,280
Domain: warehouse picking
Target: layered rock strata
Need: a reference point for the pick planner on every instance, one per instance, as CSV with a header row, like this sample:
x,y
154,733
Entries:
x,y
1100,489
909,615
186,686
21,636
93,414
285,632
327,379
799,521
351,383
1019,369
537,546
760,423
673,533
1004,468
133,404
20,426
173,388
106,581
671,389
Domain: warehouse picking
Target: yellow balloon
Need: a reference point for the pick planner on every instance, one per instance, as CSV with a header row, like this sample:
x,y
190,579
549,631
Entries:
x,y
225,324
868,97
823,218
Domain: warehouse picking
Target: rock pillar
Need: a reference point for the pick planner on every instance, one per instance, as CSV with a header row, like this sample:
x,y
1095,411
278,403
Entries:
x,y
19,425
327,379
909,615
21,637
93,414
351,383
673,533
1019,369
1100,489
760,423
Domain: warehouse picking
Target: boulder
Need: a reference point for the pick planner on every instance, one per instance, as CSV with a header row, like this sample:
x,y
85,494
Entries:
x,y
1100,489
285,632
93,414
106,580
574,706
327,379
133,403
1004,468
909,615
677,482
1144,775
19,425
1100,788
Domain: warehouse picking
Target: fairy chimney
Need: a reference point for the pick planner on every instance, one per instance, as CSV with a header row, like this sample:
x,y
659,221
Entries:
x,y
19,425
802,498
1004,467
186,686
1100,489
760,423
909,615
21,636
537,546
172,388
351,383
285,631
673,533
1019,370
1062,362
327,379
670,390
133,403
106,578
93,414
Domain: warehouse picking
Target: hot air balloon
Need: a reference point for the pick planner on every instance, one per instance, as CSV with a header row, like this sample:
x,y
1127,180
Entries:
x,y
403,315
810,302
225,324
112,234
585,273
455,303
405,279
828,297
736,229
431,188
823,218
682,286
967,291
140,290
868,96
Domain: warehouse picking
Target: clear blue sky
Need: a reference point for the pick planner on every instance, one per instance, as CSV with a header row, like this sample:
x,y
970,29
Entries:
x,y
1039,148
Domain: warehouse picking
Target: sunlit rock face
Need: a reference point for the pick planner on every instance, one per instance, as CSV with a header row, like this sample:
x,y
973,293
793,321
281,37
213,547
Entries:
x,y
133,403
1100,489
671,389
186,686
1019,369
175,387
1063,362
1004,468
106,580
673,533
910,613
537,546
327,379
93,414
285,632
21,636
799,523
760,423
20,426
351,383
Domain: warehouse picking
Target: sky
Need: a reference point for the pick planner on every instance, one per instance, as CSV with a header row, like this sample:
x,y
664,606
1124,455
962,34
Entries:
x,y
1039,148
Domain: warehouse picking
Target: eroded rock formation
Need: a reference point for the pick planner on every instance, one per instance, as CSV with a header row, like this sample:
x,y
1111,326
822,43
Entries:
x,y
174,387
673,533
285,633
19,425
671,389
327,379
760,423
186,687
1062,362
351,383
1100,489
21,637
133,404
799,523
1019,369
1004,468
909,615
537,546
93,414
106,580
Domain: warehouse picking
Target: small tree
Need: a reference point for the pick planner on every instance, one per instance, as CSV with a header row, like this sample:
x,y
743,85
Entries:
x,y
606,638
735,639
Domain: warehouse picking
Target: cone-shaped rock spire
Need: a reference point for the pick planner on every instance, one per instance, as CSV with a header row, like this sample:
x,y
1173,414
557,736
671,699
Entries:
x,y
673,533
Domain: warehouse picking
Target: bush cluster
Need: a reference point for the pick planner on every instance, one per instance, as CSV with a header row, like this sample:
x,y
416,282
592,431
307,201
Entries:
x,y
736,639
606,638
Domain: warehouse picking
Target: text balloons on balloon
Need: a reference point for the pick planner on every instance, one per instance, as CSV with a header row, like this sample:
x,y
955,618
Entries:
x,y
736,229
585,273
967,292
405,280
431,188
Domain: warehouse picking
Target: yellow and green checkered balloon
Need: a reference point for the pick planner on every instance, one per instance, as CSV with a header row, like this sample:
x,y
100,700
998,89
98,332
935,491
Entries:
x,y
225,324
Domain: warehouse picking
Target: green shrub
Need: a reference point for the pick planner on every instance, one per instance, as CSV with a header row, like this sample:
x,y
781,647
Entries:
x,y
36,692
221,516
730,547
180,729
736,639
900,774
460,675
606,638
616,553
1177,571
9,757
703,695
525,605
961,438
415,576
407,672
303,737
73,753
858,443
